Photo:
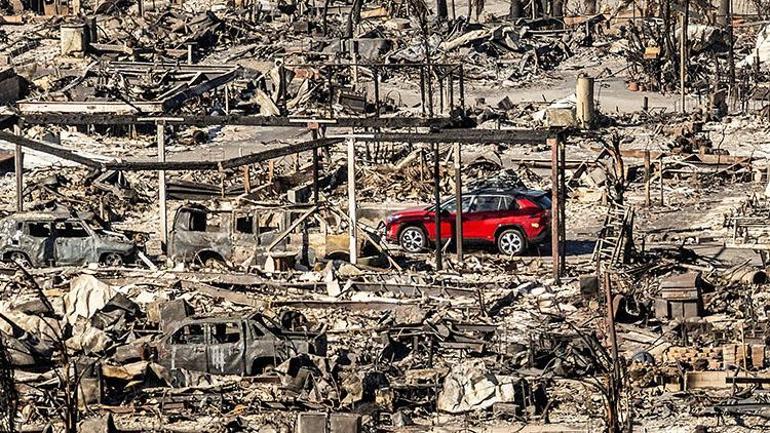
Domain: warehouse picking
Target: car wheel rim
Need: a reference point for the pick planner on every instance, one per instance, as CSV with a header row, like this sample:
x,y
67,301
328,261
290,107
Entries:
x,y
20,259
510,243
412,240
112,260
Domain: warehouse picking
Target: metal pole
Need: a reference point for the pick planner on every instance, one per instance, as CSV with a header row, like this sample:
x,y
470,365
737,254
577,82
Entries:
x,y
613,344
553,142
660,179
562,210
314,134
437,199
18,161
683,55
422,89
459,203
462,87
376,73
353,247
161,138
647,176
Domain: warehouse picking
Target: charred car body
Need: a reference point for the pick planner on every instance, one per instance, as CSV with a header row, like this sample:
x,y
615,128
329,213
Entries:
x,y
60,239
252,235
204,236
234,345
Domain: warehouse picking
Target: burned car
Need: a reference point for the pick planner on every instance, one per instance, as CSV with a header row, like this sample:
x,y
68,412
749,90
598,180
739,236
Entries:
x,y
41,239
239,237
234,345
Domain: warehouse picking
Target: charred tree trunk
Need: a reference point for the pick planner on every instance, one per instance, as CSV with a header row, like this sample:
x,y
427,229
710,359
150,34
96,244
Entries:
x,y
354,17
516,10
557,9
722,12
590,6
441,10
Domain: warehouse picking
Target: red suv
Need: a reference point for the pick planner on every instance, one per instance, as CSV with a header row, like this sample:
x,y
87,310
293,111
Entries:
x,y
511,219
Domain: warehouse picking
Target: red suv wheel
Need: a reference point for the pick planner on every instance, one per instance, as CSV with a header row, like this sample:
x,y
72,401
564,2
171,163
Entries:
x,y
511,242
413,239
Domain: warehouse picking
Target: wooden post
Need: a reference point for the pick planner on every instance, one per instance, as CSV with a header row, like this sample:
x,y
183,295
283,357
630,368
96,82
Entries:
x,y
161,138
437,202
683,56
459,203
647,177
553,142
18,160
353,247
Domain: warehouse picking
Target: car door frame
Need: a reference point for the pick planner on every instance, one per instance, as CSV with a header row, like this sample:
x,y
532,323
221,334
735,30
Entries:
x,y
34,247
192,355
74,250
226,358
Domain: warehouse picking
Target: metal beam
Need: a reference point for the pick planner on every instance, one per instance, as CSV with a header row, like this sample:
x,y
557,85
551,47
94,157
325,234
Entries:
x,y
227,163
49,149
466,136
80,118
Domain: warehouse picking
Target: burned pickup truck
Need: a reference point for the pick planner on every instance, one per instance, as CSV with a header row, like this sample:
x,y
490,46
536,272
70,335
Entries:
x,y
234,345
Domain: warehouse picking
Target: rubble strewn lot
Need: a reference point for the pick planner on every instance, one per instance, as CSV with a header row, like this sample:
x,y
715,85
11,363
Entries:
x,y
349,217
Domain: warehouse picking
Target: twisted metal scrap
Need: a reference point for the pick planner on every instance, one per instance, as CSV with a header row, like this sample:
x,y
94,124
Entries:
x,y
8,397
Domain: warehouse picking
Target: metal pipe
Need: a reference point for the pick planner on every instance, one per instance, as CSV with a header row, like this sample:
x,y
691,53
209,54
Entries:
x,y
459,203
18,162
314,135
160,127
353,246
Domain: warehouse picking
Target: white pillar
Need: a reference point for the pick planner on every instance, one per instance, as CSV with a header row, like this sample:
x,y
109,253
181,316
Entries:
x,y
585,101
